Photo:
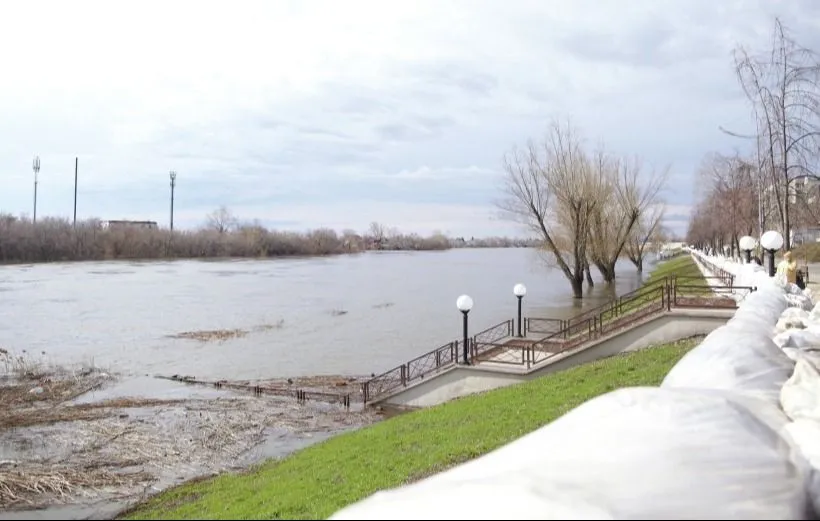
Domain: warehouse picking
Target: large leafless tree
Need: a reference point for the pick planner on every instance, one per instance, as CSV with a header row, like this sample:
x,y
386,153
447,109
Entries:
x,y
647,231
582,207
626,194
548,188
728,205
783,87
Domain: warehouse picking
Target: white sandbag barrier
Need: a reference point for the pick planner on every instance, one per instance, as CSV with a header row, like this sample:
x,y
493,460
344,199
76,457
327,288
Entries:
x,y
733,432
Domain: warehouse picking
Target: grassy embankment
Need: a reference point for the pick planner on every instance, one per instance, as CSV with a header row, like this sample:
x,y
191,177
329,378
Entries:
x,y
691,284
317,481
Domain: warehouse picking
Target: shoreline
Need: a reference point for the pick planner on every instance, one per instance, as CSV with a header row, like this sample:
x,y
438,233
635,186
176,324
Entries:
x,y
91,447
255,257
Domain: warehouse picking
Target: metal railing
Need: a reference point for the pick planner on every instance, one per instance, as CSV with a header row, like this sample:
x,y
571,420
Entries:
x,y
726,278
496,332
418,368
543,326
497,344
623,313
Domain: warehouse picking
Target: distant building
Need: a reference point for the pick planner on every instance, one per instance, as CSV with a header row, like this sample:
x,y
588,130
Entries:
x,y
121,225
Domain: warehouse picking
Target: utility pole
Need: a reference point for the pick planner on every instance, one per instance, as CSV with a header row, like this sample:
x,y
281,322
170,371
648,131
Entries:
x,y
173,176
76,164
35,165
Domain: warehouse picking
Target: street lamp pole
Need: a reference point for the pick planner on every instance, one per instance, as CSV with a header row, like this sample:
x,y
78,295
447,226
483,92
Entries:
x,y
465,304
747,244
35,165
771,242
173,176
519,290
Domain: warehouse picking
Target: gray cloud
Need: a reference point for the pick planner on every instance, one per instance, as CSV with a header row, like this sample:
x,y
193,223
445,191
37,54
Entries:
x,y
407,105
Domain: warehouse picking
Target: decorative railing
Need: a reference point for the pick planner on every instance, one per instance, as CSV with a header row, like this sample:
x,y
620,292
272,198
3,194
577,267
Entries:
x,y
498,344
496,332
543,326
415,369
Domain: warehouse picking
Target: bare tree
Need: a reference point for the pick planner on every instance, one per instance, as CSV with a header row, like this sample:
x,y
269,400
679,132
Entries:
x,y
377,232
221,220
731,185
647,230
624,198
783,87
729,205
550,189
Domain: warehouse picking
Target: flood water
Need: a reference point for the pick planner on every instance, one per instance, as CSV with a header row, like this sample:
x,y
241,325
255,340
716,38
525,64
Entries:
x,y
351,314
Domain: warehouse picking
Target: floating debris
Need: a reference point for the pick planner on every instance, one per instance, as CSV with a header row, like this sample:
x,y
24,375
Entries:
x,y
267,327
218,335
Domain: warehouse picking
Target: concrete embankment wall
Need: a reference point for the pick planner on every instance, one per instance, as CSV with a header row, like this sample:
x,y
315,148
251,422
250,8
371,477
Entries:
x,y
732,433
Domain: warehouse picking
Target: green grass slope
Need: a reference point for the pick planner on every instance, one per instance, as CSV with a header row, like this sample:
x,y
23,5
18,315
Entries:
x,y
319,480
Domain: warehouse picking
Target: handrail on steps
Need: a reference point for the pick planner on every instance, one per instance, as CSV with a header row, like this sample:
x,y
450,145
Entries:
x,y
655,297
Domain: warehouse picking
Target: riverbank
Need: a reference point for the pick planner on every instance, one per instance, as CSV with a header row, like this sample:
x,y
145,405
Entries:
x,y
315,482
86,442
57,240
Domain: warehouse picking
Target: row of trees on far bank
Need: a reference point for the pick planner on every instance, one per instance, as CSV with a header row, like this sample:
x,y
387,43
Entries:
x,y
587,208
774,184
223,235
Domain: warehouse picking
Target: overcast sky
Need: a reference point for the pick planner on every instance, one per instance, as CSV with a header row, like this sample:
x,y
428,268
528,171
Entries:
x,y
337,113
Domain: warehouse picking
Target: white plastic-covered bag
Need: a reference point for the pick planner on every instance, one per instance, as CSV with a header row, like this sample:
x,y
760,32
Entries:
x,y
793,289
733,359
799,301
799,338
795,313
785,324
800,395
764,305
805,435
812,356
638,453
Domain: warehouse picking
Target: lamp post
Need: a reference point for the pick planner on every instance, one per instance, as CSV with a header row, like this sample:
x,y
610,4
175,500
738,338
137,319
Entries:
x,y
173,176
35,165
519,290
465,304
747,244
771,242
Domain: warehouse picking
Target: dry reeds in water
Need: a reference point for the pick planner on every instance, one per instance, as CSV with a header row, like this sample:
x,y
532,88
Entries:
x,y
22,487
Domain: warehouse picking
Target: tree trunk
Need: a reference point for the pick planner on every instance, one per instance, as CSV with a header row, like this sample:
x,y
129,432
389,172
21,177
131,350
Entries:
x,y
577,287
639,264
787,242
611,272
607,271
590,282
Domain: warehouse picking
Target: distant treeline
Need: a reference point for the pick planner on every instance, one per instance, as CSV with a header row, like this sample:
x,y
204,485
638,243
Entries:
x,y
53,239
